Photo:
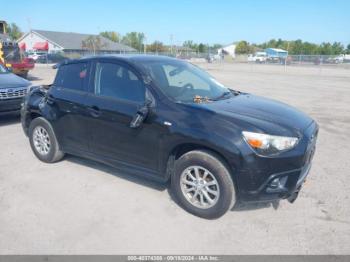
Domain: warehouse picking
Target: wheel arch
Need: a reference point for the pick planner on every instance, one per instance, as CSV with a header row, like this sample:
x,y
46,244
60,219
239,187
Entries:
x,y
184,148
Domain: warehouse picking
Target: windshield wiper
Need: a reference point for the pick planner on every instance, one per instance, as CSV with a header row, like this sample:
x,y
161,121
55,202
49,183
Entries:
x,y
226,94
223,95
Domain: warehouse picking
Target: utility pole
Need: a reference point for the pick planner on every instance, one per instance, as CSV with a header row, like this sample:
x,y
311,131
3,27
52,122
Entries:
x,y
171,44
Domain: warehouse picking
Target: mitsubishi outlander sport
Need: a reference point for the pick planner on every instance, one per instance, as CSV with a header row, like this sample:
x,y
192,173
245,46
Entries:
x,y
167,120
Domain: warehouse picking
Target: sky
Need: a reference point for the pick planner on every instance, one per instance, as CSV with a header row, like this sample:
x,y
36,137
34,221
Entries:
x,y
206,21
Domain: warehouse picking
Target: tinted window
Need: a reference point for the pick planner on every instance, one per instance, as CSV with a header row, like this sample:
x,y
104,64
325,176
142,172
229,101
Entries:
x,y
71,76
117,81
183,81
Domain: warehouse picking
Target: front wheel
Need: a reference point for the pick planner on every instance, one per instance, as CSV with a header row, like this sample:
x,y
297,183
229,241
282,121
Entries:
x,y
43,141
202,184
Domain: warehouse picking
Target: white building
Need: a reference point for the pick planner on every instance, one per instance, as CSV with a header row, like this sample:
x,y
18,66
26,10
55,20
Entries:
x,y
228,50
52,41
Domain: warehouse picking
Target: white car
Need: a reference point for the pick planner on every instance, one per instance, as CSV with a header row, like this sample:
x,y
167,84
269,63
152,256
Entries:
x,y
35,55
339,59
258,57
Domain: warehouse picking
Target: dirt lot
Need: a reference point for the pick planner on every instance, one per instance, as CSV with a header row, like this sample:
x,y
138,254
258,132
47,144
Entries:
x,y
79,206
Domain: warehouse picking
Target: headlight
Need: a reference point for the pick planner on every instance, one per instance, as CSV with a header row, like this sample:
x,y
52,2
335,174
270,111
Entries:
x,y
268,144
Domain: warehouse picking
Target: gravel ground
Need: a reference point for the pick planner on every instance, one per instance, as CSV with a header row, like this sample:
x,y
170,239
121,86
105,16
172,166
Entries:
x,y
78,206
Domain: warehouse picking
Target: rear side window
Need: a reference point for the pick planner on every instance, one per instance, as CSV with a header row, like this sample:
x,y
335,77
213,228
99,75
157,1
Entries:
x,y
71,76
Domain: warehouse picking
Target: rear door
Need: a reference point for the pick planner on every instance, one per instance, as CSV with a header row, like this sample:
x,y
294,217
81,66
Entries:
x,y
68,96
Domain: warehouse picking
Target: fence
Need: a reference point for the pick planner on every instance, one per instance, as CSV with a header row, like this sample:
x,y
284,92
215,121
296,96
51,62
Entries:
x,y
306,60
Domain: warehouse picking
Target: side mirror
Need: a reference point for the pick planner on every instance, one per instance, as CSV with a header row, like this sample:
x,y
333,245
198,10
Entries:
x,y
144,111
140,116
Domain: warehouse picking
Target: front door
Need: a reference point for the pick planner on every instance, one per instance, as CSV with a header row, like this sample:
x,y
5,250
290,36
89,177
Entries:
x,y
116,95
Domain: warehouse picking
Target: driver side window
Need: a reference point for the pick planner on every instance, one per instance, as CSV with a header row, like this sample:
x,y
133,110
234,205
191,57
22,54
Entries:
x,y
116,81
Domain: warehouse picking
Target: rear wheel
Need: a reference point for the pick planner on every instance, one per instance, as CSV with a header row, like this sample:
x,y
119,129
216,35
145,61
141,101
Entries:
x,y
203,185
43,141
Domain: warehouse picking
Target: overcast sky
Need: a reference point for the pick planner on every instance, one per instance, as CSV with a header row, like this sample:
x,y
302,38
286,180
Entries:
x,y
220,21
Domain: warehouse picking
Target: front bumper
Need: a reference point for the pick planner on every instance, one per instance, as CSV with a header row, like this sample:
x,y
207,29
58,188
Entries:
x,y
279,186
272,178
8,106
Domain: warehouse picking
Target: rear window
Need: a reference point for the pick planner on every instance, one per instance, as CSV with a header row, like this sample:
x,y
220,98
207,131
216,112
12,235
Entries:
x,y
71,76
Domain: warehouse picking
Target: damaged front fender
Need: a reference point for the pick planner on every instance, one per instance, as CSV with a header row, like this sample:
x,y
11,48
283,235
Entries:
x,y
37,103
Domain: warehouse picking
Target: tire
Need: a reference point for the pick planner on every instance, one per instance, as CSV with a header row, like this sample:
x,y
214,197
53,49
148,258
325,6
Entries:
x,y
24,75
218,177
46,150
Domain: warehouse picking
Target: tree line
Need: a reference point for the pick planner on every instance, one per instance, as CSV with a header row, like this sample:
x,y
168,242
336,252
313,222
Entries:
x,y
296,47
137,41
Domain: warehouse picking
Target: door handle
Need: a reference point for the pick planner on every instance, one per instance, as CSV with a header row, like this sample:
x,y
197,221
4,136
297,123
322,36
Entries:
x,y
94,111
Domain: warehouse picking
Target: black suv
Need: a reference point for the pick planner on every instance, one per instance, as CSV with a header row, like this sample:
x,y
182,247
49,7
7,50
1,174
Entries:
x,y
166,119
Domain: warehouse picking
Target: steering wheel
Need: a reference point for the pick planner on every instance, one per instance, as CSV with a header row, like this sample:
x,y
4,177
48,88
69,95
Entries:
x,y
186,88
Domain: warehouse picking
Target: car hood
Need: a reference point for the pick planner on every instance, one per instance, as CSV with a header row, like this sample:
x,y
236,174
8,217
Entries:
x,y
11,80
254,107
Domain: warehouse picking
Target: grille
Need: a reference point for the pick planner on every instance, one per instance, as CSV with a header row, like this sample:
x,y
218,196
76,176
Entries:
x,y
9,93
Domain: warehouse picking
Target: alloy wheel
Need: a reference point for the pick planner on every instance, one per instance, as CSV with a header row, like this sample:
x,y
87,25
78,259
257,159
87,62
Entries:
x,y
41,140
200,187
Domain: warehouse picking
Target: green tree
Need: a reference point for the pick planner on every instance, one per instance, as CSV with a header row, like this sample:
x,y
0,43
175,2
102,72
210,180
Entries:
x,y
298,47
348,49
202,48
135,40
307,49
243,47
156,46
111,35
190,44
14,31
325,49
215,46
337,48
93,44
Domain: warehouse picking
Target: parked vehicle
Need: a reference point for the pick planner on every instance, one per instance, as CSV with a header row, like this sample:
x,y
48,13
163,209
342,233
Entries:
x,y
12,56
258,57
12,90
51,58
338,59
35,55
166,119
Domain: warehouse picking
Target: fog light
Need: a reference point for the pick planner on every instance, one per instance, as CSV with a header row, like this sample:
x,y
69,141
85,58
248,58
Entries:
x,y
275,183
278,182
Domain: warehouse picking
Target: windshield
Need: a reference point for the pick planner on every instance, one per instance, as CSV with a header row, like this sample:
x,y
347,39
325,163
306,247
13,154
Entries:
x,y
12,53
3,69
184,82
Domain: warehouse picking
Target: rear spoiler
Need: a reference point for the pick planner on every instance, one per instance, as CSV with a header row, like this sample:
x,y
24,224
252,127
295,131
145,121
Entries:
x,y
56,66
